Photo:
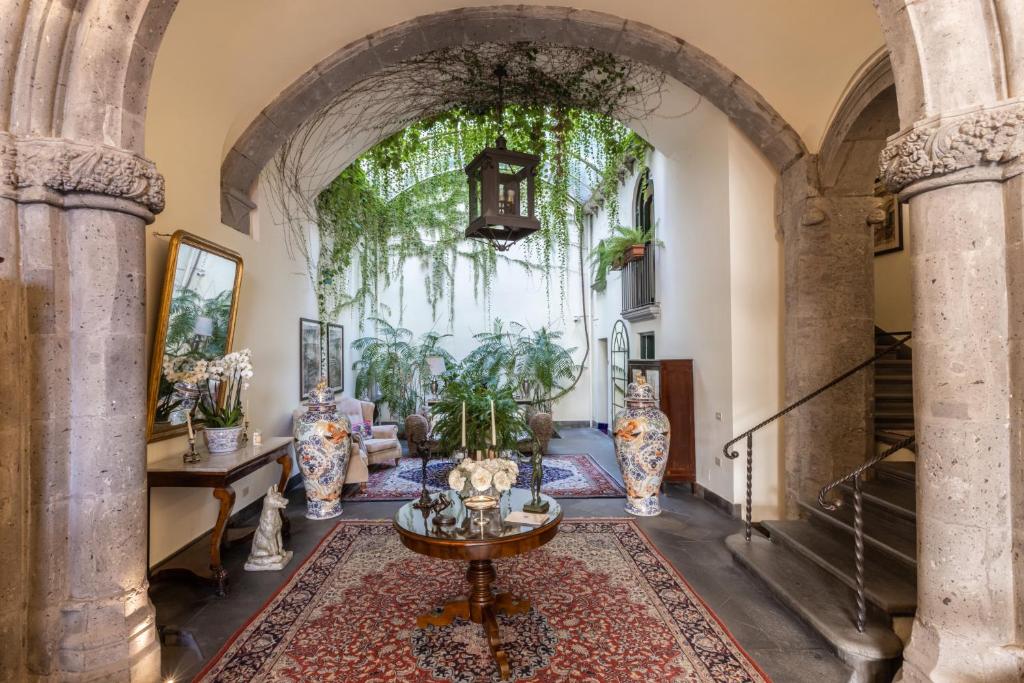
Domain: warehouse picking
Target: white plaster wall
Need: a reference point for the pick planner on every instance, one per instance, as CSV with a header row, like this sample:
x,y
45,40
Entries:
x,y
690,172
718,280
756,288
275,293
516,295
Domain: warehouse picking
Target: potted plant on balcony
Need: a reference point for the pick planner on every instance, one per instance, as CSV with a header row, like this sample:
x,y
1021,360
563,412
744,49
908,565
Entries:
x,y
622,246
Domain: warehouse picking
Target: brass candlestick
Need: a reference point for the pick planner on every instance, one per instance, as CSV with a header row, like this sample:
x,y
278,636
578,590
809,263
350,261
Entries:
x,y
190,456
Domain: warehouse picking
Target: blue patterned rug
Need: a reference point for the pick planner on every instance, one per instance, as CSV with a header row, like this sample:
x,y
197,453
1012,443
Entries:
x,y
565,476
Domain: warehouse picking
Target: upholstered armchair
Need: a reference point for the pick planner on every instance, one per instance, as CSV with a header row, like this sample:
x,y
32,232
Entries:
x,y
382,446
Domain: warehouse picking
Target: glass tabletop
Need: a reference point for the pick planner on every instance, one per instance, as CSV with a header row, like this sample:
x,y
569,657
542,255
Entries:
x,y
471,525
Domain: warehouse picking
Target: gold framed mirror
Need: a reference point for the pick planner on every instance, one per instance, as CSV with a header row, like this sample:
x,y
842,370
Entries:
x,y
196,321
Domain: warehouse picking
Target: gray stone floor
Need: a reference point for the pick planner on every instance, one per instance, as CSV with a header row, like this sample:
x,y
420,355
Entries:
x,y
690,533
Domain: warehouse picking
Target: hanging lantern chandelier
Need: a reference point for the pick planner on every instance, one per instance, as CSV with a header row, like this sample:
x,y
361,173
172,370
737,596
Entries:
x,y
502,187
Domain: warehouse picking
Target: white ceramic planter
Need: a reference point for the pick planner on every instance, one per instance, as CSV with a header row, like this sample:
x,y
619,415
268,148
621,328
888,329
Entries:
x,y
222,439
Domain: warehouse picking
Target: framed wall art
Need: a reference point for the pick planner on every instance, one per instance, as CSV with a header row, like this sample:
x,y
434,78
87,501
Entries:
x,y
310,355
336,357
888,235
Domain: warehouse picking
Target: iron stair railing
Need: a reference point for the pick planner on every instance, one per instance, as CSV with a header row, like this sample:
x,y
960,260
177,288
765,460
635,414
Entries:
x,y
855,474
858,518
749,434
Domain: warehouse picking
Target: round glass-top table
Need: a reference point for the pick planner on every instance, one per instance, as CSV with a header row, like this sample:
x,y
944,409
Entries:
x,y
477,537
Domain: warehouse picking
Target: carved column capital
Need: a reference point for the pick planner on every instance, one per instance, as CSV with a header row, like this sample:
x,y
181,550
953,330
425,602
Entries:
x,y
57,171
979,141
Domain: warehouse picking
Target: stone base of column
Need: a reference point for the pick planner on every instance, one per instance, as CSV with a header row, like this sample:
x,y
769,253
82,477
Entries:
x,y
935,657
109,640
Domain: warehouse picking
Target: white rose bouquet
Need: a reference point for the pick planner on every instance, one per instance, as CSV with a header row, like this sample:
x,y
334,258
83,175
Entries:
x,y
481,475
226,377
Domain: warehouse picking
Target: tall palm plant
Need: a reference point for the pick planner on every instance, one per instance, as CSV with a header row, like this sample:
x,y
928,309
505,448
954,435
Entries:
x,y
428,347
397,366
544,366
497,353
386,363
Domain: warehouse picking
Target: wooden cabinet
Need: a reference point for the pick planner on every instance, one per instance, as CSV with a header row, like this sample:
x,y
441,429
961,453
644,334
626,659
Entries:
x,y
672,380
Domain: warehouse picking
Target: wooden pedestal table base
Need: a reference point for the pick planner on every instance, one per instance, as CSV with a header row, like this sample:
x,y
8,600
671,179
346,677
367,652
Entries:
x,y
218,472
465,541
482,607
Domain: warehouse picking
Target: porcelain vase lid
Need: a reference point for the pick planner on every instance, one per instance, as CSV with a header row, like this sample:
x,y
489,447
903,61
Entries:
x,y
321,398
640,394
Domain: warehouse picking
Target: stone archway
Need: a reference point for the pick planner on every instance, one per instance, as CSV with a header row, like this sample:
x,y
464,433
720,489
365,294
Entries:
x,y
959,73
353,63
75,195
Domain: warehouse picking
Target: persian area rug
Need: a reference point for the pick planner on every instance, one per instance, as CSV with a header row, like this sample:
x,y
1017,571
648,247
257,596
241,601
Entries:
x,y
565,476
606,606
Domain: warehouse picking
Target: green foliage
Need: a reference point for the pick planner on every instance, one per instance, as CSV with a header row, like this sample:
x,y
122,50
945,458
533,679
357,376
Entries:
x,y
462,387
534,362
406,199
544,366
609,252
396,366
187,306
221,417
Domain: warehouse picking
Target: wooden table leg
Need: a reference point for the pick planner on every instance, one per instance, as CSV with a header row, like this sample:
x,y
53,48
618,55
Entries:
x,y
482,607
226,496
286,472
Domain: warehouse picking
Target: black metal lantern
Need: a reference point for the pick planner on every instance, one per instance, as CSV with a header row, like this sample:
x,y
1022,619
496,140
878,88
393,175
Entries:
x,y
502,187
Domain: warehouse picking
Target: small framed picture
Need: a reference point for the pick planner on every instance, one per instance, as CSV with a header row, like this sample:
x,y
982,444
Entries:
x,y
310,354
889,233
336,357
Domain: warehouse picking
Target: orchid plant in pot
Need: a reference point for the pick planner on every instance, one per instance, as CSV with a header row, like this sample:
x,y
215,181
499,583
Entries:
x,y
221,401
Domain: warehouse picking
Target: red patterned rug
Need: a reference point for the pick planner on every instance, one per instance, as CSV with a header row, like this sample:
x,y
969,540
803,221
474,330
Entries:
x,y
565,476
606,607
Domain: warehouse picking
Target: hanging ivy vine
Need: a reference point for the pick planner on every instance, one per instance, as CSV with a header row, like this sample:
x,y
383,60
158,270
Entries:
x,y
405,199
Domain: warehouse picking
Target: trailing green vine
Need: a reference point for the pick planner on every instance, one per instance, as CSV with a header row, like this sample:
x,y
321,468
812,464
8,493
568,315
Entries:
x,y
405,197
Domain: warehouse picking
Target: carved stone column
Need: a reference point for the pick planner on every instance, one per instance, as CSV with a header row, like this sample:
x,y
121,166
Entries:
x,y
828,329
74,252
961,173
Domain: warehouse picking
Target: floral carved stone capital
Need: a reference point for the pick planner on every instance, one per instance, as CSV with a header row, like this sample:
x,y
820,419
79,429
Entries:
x,y
66,167
986,138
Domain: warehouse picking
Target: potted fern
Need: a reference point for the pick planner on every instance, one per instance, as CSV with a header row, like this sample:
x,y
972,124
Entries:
x,y
624,245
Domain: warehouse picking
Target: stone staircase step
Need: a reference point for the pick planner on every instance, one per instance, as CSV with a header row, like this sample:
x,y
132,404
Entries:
x,y
889,584
889,362
893,394
891,534
894,379
827,605
892,437
896,497
900,471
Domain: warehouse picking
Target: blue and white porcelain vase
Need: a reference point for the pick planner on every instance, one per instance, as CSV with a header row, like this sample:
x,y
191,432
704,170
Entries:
x,y
323,442
641,448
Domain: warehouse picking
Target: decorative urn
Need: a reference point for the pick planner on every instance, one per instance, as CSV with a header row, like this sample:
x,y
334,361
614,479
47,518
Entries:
x,y
641,448
323,443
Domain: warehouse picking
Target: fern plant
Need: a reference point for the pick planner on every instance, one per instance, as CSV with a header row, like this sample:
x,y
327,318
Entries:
x,y
544,366
465,388
609,252
397,365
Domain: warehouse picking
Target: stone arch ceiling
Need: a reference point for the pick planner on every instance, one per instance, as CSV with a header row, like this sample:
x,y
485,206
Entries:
x,y
221,64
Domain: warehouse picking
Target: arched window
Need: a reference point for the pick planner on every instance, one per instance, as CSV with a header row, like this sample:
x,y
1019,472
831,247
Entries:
x,y
639,298
643,202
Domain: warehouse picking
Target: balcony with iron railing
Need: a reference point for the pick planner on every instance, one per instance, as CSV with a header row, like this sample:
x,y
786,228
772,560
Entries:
x,y
639,291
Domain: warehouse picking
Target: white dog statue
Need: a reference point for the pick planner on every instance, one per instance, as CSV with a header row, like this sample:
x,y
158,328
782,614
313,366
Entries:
x,y
268,553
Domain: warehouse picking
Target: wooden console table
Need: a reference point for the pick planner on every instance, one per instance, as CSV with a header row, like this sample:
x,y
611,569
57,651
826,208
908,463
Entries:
x,y
218,472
